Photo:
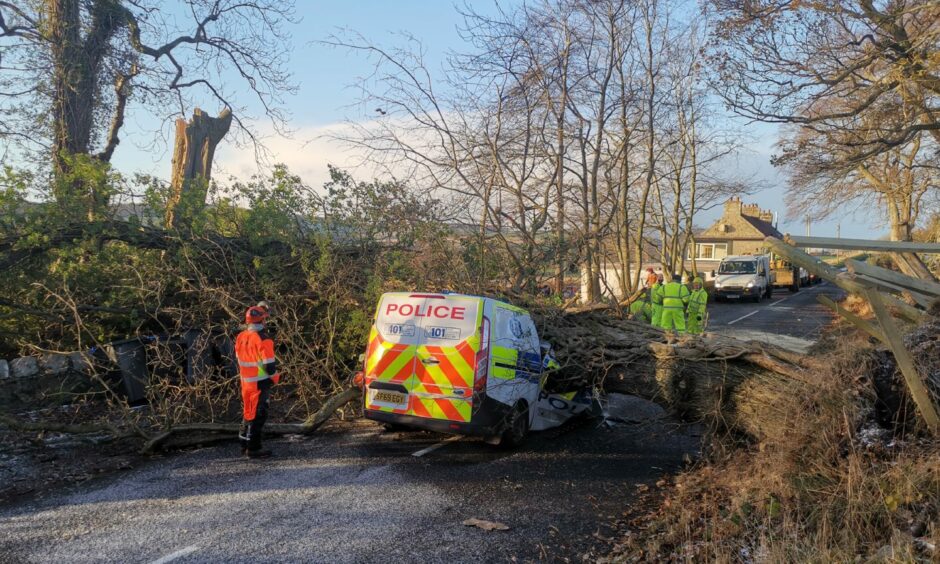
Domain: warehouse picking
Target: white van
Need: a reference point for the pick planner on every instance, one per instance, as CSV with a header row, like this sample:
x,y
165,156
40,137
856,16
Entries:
x,y
744,277
460,364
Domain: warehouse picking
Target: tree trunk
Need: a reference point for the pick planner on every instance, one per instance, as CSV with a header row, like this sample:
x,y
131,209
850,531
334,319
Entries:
x,y
76,68
192,161
745,386
71,103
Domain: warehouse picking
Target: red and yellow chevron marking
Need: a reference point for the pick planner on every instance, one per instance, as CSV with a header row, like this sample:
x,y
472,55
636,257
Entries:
x,y
386,361
390,362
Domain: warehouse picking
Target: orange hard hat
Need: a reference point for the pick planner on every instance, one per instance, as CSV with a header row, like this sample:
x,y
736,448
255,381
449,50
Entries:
x,y
255,314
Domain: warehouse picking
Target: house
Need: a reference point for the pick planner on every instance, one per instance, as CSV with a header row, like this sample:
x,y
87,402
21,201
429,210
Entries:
x,y
741,230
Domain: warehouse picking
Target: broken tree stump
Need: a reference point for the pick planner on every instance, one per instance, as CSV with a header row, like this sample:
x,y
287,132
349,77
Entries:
x,y
193,152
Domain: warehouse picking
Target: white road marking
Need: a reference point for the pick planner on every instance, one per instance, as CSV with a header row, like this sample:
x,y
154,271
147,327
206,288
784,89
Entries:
x,y
780,300
178,554
434,447
743,317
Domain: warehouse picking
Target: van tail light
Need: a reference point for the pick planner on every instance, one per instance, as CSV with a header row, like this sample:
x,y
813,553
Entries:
x,y
479,379
359,379
483,358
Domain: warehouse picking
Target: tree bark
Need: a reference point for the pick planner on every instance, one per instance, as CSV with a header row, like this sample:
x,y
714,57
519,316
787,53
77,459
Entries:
x,y
192,161
745,386
76,67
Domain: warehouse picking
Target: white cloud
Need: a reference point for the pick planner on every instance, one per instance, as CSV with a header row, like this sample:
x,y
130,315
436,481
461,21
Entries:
x,y
306,153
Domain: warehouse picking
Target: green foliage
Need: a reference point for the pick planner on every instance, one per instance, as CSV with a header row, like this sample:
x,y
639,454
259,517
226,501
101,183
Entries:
x,y
85,185
323,257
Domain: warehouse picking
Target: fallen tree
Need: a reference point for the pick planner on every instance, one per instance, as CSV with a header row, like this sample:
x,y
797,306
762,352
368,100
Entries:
x,y
746,385
198,433
187,434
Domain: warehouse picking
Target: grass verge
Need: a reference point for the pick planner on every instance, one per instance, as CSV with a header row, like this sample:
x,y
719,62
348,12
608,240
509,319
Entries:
x,y
832,485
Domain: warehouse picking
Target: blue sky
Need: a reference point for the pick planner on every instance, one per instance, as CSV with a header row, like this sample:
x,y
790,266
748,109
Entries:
x,y
324,74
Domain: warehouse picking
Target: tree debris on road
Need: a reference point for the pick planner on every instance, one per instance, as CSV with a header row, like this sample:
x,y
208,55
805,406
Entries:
x,y
485,525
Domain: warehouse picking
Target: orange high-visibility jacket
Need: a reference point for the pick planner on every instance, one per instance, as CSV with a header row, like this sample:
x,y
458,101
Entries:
x,y
254,349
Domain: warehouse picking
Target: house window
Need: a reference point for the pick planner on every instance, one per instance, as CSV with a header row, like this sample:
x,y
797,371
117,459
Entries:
x,y
710,251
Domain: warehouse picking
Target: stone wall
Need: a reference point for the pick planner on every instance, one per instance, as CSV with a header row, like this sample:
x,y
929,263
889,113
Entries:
x,y
126,367
32,382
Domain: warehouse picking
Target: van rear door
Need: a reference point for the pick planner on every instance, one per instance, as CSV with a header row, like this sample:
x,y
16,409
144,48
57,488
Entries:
x,y
421,355
391,354
446,357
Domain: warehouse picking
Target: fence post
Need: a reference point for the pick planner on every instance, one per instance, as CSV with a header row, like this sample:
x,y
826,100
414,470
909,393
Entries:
x,y
911,376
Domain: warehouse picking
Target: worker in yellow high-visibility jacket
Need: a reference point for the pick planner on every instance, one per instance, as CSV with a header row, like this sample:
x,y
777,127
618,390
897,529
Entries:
x,y
697,314
642,308
656,301
674,296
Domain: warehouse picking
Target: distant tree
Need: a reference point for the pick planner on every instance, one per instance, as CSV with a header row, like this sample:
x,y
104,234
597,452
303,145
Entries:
x,y
825,175
70,68
788,61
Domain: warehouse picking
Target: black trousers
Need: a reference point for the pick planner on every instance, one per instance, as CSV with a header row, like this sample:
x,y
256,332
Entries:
x,y
250,435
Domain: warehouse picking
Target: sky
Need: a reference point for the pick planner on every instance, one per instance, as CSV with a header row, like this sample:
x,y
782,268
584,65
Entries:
x,y
322,105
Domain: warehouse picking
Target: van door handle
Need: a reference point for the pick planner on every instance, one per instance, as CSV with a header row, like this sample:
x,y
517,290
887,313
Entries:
x,y
430,360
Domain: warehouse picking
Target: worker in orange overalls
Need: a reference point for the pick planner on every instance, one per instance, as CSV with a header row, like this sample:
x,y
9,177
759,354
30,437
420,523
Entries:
x,y
257,368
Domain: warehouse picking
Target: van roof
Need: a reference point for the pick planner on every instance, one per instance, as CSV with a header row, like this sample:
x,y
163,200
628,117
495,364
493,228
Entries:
x,y
444,295
744,257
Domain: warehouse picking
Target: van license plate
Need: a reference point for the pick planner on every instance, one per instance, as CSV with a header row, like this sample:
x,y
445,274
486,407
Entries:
x,y
386,396
733,296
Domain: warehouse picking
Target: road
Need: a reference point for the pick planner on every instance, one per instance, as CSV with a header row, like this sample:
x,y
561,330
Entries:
x,y
793,320
355,493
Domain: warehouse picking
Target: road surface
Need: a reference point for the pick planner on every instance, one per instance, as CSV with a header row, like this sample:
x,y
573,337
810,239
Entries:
x,y
355,493
793,320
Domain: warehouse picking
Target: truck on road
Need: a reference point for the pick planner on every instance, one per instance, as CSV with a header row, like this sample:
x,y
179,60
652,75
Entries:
x,y
786,274
461,364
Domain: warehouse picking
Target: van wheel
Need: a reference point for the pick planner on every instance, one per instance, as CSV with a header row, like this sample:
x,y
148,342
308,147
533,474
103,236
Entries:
x,y
517,426
794,288
770,292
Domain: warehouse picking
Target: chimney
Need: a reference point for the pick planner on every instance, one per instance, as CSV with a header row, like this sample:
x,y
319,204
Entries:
x,y
767,215
750,210
733,206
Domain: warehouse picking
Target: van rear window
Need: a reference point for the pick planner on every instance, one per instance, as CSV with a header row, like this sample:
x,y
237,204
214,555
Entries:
x,y
416,320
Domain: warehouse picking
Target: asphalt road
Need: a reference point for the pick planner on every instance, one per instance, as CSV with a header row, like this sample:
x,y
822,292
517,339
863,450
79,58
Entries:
x,y
355,493
789,319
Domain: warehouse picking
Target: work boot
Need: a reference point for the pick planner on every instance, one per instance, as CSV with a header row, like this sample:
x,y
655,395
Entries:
x,y
258,453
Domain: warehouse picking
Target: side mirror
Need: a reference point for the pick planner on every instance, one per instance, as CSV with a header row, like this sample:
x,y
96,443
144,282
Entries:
x,y
713,273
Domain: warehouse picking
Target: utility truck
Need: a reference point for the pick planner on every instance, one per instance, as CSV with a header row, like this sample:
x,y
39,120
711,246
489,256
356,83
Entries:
x,y
787,275
461,364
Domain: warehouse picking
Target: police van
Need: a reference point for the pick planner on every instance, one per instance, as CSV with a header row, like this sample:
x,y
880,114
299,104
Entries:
x,y
461,364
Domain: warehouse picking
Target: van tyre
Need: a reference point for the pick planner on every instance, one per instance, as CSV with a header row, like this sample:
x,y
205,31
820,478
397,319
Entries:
x,y
770,292
517,426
